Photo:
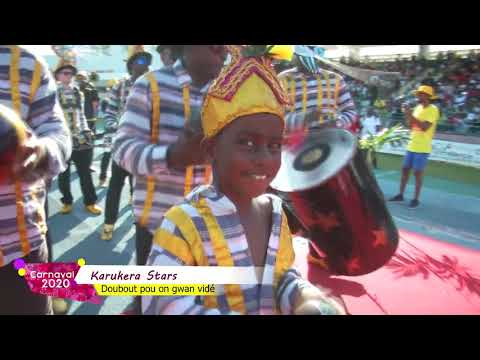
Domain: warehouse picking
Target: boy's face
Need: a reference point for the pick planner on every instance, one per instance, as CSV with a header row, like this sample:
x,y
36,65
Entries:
x,y
247,154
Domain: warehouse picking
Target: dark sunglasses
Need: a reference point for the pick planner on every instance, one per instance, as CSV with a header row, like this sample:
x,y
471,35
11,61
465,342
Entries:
x,y
66,73
141,61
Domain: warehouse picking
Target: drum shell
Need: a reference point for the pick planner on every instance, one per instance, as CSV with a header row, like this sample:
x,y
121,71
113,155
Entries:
x,y
347,219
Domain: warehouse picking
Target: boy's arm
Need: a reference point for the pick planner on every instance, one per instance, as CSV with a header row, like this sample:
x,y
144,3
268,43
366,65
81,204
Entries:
x,y
170,249
297,296
294,295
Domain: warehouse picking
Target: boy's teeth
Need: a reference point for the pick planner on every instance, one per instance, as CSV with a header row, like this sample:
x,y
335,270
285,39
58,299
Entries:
x,y
259,177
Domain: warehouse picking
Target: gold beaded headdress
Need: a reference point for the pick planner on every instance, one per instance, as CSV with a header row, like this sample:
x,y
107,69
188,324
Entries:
x,y
248,85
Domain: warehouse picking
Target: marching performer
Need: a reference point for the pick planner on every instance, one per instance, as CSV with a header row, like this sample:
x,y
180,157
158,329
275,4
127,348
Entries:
x,y
72,103
151,141
312,88
138,62
28,98
107,138
233,222
91,97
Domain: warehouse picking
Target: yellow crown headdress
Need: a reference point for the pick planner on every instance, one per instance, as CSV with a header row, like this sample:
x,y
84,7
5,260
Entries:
x,y
248,85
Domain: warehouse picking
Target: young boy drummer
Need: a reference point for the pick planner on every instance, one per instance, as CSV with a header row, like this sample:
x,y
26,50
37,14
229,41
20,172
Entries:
x,y
233,222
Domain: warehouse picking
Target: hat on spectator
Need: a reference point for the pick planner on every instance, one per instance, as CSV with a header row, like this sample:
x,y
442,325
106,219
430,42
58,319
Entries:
x,y
83,74
426,90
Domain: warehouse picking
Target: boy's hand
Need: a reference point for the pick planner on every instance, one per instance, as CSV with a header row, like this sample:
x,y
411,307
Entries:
x,y
315,301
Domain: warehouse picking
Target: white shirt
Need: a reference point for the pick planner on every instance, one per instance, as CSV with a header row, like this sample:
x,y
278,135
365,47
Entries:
x,y
370,124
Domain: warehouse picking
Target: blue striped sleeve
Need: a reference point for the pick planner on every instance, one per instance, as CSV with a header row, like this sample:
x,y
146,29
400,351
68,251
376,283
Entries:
x,y
346,111
112,109
132,147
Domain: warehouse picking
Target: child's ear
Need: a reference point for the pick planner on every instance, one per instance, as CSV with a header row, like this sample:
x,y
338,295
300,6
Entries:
x,y
208,148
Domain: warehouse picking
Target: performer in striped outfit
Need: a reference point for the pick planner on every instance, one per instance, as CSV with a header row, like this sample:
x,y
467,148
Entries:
x,y
318,98
233,222
72,102
137,64
312,88
28,90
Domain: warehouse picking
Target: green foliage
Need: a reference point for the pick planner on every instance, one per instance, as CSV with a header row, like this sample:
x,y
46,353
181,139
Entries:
x,y
392,135
256,50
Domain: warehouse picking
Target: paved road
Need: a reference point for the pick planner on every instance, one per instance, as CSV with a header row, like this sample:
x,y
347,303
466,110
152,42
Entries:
x,y
449,212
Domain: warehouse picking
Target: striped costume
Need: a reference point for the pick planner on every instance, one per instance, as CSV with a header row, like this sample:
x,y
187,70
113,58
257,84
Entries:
x,y
116,101
205,230
27,86
72,102
326,91
157,109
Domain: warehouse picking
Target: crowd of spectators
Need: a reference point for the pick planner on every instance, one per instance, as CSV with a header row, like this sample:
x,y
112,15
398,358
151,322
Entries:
x,y
455,78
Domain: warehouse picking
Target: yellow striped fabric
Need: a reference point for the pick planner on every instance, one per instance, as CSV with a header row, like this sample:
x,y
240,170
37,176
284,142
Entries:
x,y
293,91
17,105
329,94
154,136
337,90
304,94
233,293
187,113
174,245
319,98
36,78
177,216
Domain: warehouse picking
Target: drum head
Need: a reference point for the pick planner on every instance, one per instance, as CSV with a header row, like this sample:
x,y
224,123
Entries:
x,y
318,157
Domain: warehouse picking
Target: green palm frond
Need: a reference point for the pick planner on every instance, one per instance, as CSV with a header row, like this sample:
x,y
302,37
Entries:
x,y
256,50
392,135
